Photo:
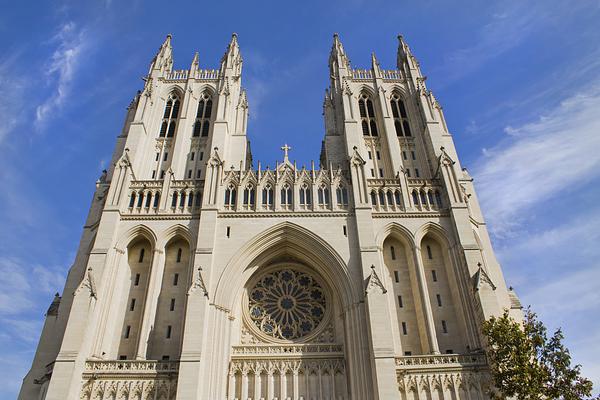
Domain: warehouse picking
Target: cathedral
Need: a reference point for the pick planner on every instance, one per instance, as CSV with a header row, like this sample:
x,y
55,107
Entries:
x,y
203,275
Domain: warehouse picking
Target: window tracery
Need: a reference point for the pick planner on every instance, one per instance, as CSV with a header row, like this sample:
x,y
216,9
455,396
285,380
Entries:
x,y
367,116
202,124
400,116
287,304
169,122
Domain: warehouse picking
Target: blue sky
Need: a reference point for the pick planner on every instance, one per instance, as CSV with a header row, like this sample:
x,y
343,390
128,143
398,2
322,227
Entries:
x,y
519,82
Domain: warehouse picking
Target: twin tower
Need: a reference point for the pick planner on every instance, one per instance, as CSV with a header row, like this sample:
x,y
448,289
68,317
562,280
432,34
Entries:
x,y
202,275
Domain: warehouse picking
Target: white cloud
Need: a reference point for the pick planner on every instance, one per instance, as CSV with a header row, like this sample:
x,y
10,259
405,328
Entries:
x,y
61,69
555,154
21,284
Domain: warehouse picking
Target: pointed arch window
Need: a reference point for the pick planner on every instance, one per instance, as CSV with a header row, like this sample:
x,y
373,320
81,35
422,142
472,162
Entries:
x,y
415,198
400,116
398,197
305,195
267,196
202,124
390,199
230,196
323,194
373,198
438,199
249,194
286,195
367,116
169,121
342,196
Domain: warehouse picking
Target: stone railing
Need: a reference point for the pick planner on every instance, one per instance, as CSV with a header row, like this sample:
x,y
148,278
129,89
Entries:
x,y
362,74
206,74
288,351
445,376
177,75
392,75
131,367
437,361
140,380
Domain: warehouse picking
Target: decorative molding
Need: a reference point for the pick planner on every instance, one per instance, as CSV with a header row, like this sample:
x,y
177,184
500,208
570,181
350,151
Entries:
x,y
481,277
198,284
87,283
373,282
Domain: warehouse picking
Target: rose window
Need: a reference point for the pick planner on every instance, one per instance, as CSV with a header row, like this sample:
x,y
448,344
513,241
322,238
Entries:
x,y
286,304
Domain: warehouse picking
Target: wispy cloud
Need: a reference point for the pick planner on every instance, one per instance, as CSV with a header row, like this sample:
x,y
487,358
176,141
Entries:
x,y
11,101
510,23
541,159
556,272
21,283
70,42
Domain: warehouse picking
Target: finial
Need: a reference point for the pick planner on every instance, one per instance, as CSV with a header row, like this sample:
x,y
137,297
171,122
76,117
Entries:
x,y
335,35
285,149
234,35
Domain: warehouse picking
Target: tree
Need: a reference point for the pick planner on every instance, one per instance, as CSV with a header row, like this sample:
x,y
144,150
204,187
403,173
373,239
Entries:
x,y
527,365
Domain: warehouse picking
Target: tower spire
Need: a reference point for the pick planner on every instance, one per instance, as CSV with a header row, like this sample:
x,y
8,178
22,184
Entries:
x,y
232,59
163,61
337,56
375,65
195,63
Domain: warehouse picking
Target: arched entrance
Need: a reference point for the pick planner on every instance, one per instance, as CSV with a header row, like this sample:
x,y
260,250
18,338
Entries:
x,y
289,340
297,325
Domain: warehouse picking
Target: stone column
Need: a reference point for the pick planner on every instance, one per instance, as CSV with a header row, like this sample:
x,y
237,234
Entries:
x,y
152,293
244,394
257,384
296,388
282,384
270,383
231,388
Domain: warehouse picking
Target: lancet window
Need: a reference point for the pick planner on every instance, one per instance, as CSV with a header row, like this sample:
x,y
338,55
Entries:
x,y
202,124
230,196
367,116
400,116
305,197
169,121
323,194
249,194
286,195
342,196
267,196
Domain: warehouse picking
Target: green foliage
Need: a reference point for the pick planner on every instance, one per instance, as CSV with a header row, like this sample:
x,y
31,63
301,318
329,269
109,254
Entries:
x,y
527,365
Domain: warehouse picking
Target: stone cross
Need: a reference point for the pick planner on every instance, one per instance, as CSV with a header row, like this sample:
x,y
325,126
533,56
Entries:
x,y
285,149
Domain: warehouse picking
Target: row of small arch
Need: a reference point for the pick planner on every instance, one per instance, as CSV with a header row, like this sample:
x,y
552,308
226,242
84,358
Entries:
x,y
423,198
286,195
151,198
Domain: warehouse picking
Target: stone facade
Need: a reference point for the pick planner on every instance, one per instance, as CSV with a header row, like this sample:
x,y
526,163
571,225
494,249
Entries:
x,y
201,275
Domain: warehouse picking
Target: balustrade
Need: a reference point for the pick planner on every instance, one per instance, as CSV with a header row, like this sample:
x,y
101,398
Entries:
x,y
129,379
362,74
